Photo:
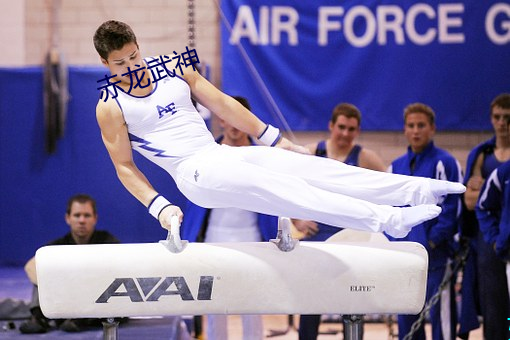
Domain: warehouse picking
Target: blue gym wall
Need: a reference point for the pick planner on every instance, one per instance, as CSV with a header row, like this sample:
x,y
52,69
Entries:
x,y
35,185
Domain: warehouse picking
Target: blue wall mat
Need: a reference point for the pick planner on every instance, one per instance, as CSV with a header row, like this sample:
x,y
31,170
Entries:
x,y
35,185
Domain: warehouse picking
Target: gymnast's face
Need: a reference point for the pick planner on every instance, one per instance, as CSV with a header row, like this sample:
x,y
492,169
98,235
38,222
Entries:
x,y
344,131
419,131
82,221
119,60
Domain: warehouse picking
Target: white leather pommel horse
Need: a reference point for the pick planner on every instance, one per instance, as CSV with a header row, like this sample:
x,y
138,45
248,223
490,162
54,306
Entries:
x,y
154,279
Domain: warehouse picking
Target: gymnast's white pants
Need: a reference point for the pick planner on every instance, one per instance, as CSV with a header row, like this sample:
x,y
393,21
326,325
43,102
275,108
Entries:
x,y
278,182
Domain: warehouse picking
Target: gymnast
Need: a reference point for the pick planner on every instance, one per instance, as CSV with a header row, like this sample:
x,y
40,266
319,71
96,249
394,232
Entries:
x,y
281,181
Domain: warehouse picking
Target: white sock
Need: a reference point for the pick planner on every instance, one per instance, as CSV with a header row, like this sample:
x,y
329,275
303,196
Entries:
x,y
442,188
412,216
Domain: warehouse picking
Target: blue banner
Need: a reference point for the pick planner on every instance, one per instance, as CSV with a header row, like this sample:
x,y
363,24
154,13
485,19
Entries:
x,y
297,59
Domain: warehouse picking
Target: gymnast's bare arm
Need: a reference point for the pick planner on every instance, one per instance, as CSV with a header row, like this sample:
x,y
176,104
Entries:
x,y
368,159
115,138
229,109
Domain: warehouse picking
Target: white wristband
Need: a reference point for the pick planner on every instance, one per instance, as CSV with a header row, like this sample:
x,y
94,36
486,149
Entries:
x,y
157,205
270,136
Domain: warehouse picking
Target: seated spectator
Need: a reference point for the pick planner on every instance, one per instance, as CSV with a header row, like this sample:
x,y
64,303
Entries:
x,y
81,216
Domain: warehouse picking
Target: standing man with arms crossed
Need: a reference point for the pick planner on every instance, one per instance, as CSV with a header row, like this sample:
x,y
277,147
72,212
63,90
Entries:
x,y
344,127
493,209
483,265
424,159
493,214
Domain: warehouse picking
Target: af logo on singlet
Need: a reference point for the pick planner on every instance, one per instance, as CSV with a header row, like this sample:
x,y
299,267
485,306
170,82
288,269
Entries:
x,y
164,110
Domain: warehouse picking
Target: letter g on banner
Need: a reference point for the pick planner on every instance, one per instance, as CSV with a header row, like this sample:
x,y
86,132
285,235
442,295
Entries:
x,y
498,35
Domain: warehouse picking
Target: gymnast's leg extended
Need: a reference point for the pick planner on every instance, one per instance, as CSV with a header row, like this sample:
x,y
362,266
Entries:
x,y
218,180
331,175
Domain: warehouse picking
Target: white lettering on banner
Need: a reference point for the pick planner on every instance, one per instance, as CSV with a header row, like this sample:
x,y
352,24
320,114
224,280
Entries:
x,y
490,22
383,24
244,27
284,19
325,25
414,36
391,18
371,27
446,21
264,25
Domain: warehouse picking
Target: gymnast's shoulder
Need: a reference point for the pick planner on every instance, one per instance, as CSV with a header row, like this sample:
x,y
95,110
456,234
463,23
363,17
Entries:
x,y
108,111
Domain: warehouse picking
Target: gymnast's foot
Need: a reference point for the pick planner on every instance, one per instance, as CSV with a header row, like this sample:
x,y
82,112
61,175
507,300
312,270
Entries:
x,y
412,216
436,190
442,188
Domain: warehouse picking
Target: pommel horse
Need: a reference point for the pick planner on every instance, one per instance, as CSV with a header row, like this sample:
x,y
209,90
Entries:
x,y
173,277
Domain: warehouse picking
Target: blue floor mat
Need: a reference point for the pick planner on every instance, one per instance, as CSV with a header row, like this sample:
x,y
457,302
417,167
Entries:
x,y
134,329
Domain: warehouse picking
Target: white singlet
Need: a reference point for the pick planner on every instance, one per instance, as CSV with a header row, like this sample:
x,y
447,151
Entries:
x,y
165,128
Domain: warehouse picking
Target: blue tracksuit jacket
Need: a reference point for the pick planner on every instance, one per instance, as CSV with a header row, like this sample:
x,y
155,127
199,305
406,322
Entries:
x,y
493,210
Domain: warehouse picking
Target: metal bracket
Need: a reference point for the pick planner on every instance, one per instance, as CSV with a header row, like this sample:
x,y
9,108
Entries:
x,y
284,240
173,240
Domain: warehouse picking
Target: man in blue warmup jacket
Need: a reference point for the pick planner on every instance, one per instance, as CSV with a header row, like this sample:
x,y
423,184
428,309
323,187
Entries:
x,y
484,279
493,215
493,211
424,159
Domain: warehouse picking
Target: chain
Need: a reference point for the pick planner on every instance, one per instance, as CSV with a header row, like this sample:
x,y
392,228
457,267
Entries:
x,y
191,24
459,265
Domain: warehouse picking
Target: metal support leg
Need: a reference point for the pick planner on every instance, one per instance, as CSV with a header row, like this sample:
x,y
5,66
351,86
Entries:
x,y
110,329
353,327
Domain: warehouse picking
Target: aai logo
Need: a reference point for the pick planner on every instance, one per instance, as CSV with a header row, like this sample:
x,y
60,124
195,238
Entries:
x,y
152,288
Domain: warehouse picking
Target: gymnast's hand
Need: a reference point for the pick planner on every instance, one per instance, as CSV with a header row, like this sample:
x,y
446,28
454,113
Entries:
x,y
286,144
166,215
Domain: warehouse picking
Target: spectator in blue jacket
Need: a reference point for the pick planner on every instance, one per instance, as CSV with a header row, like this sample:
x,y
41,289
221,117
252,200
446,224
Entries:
x,y
229,225
424,159
484,277
493,212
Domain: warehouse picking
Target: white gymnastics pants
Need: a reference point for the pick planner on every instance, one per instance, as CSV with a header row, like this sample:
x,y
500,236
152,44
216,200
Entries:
x,y
278,182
